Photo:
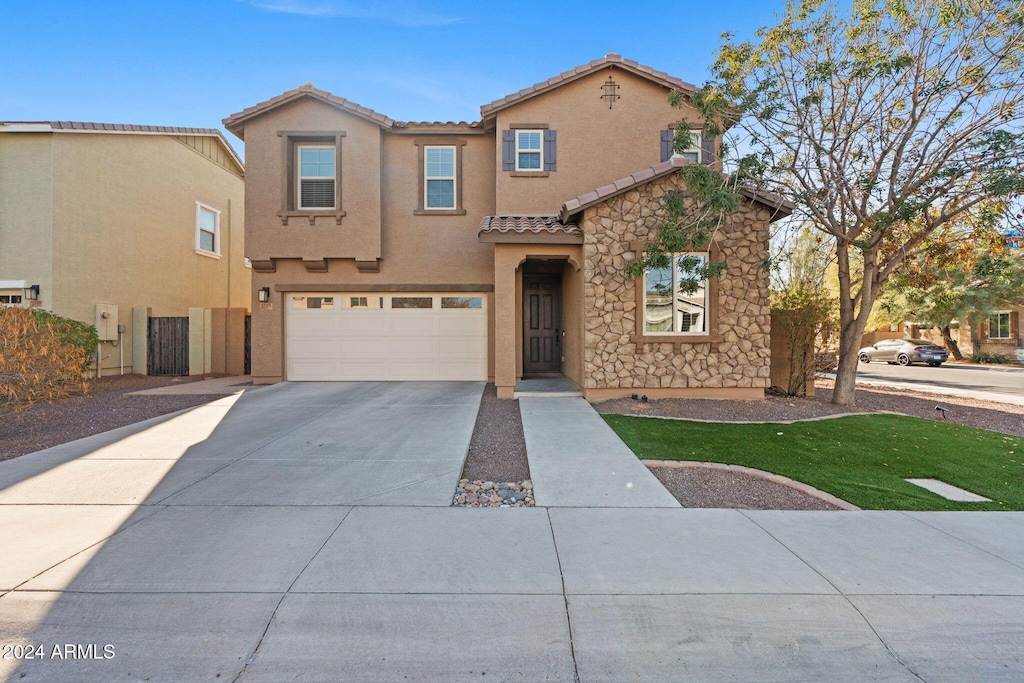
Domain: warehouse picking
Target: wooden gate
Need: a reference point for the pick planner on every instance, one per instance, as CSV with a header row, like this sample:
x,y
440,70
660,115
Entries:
x,y
248,345
168,346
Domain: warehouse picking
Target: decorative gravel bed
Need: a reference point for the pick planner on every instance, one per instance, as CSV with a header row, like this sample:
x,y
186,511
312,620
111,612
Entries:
x,y
496,473
106,406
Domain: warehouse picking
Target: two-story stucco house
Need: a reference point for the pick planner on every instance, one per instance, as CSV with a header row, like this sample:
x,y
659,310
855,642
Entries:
x,y
386,250
111,223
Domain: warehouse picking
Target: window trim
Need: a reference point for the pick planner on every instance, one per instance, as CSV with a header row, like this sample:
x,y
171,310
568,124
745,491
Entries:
x,y
421,155
539,151
427,178
215,253
712,335
1009,322
290,192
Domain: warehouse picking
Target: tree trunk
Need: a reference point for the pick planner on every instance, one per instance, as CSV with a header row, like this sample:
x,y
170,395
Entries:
x,y
846,374
953,347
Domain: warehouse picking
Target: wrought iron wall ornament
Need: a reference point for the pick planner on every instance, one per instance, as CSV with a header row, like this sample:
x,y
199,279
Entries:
x,y
610,92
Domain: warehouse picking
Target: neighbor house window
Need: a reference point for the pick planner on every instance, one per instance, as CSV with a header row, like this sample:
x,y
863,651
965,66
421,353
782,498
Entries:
x,y
207,230
439,176
999,326
668,309
316,176
529,150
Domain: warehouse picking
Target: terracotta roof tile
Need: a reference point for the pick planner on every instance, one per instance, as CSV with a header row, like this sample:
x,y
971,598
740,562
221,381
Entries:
x,y
235,121
526,225
576,72
782,206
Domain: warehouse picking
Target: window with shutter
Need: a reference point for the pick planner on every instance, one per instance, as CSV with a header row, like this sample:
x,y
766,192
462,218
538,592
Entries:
x,y
316,176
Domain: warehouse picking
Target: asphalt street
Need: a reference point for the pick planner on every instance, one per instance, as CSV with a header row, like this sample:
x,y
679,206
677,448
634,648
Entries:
x,y
999,383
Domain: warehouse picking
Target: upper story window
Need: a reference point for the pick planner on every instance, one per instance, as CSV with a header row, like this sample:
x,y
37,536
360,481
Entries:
x,y
316,176
439,176
529,149
529,152
668,309
311,185
693,152
207,230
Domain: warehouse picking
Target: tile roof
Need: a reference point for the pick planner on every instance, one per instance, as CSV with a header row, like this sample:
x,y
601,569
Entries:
x,y
783,207
528,225
612,58
235,121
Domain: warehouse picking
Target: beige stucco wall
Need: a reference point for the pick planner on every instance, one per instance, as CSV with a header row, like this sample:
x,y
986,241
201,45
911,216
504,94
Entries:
x,y
732,361
595,145
26,210
359,235
124,231
429,252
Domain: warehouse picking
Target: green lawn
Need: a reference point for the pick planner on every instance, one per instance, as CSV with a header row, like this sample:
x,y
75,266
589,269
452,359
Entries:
x,y
861,459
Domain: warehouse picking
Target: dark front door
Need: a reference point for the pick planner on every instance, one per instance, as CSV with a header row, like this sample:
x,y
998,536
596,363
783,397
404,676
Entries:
x,y
542,324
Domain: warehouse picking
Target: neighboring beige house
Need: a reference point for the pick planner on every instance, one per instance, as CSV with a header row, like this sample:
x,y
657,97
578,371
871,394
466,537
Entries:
x,y
494,250
1000,333
100,222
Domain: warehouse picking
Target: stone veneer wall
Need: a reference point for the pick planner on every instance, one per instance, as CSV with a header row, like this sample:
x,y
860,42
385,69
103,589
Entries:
x,y
740,355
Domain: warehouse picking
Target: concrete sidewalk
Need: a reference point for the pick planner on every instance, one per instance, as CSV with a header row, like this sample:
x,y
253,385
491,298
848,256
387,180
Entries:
x,y
224,543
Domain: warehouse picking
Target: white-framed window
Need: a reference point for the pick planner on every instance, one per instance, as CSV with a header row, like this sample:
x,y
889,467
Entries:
x,y
207,230
529,150
8,300
439,177
693,151
316,176
667,308
999,325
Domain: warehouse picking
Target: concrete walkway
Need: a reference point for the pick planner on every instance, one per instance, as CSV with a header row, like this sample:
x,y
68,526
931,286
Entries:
x,y
576,460
225,543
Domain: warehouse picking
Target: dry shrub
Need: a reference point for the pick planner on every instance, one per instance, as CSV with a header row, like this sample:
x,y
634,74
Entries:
x,y
42,356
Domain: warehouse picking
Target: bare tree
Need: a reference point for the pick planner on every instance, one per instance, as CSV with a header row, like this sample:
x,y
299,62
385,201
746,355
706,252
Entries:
x,y
883,124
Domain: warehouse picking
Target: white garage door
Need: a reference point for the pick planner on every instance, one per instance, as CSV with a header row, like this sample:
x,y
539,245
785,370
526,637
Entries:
x,y
374,337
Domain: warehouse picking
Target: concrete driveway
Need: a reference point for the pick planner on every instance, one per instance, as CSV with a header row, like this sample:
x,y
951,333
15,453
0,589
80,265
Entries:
x,y
304,532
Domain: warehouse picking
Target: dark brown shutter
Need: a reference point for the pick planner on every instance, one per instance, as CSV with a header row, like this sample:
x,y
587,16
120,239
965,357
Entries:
x,y
508,150
550,149
666,144
707,150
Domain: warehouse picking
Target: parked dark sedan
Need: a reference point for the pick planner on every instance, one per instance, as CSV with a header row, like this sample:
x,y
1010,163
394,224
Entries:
x,y
904,352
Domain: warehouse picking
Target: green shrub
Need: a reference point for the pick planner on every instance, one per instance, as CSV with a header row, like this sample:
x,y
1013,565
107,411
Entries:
x,y
42,356
992,358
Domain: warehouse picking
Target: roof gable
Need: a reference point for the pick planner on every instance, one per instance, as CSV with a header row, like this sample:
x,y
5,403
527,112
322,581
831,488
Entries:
x,y
191,137
610,59
236,122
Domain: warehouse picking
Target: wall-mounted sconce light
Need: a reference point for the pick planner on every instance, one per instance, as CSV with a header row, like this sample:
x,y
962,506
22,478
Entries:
x,y
263,295
32,293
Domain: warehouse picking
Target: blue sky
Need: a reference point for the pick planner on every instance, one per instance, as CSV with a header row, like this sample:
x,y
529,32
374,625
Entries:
x,y
194,62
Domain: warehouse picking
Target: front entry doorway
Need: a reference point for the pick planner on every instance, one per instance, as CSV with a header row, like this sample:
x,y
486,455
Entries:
x,y
542,324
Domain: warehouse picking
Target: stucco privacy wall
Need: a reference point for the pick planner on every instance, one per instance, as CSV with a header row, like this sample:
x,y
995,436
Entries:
x,y
734,364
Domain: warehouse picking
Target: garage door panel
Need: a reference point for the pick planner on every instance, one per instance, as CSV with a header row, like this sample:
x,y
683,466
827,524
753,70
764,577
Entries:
x,y
362,325
364,348
412,326
381,344
461,326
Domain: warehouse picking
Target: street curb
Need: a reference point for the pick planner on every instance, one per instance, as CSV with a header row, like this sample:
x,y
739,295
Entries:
x,y
761,474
